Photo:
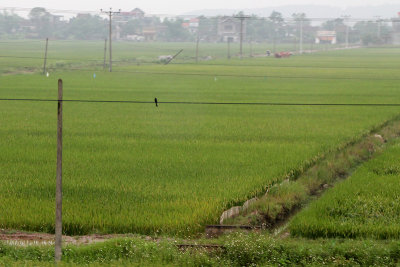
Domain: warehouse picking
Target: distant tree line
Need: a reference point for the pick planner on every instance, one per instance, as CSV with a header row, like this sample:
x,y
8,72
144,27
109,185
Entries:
x,y
274,29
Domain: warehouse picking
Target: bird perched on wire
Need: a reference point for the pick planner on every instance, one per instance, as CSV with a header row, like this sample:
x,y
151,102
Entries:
x,y
156,101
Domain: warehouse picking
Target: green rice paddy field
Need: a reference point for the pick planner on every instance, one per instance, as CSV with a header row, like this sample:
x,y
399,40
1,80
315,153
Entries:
x,y
173,169
364,206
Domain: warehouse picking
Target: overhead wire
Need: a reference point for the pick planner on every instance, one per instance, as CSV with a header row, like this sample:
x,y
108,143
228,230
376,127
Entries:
x,y
98,12
235,75
205,102
215,75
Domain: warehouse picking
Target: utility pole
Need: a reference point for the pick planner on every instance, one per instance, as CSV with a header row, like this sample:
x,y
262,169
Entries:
x,y
229,47
251,47
346,18
378,20
110,14
301,36
242,18
177,54
197,45
58,224
105,53
45,56
379,29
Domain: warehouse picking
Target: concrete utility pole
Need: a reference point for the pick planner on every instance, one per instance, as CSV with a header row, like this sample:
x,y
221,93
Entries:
x,y
242,18
45,56
110,14
105,53
346,18
301,36
229,48
197,46
251,46
378,20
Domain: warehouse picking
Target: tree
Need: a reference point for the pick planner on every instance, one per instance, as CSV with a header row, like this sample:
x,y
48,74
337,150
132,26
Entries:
x,y
276,18
10,23
86,27
132,27
278,28
208,28
372,32
259,29
338,26
301,22
175,32
42,21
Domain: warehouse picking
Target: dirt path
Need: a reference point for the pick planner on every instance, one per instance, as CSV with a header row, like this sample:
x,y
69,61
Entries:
x,y
30,238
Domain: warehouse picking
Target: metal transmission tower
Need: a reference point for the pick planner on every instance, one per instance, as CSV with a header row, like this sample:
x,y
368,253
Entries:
x,y
242,18
110,14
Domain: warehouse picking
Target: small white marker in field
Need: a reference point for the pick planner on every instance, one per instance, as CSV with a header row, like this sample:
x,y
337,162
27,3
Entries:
x,y
47,74
94,75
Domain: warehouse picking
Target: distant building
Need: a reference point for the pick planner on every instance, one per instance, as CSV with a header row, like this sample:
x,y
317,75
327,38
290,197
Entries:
x,y
124,17
396,29
151,33
56,19
136,13
135,37
326,37
229,29
191,24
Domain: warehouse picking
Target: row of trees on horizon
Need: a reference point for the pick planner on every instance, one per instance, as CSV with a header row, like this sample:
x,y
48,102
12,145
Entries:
x,y
42,24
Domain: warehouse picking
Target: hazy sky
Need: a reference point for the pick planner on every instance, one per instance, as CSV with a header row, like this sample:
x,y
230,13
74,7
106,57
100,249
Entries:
x,y
179,6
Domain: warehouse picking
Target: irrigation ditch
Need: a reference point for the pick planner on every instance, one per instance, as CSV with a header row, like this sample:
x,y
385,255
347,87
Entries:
x,y
281,201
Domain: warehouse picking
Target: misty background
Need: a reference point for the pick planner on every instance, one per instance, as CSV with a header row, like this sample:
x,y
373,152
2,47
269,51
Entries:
x,y
357,25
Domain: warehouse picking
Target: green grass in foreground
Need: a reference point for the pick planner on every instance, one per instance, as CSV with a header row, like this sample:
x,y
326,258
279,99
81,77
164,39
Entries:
x,y
173,169
365,205
239,250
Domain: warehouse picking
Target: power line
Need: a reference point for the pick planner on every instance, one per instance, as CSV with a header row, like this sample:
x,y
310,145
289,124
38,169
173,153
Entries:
x,y
72,59
207,103
239,76
76,100
289,66
212,64
93,12
23,42
266,76
41,58
28,9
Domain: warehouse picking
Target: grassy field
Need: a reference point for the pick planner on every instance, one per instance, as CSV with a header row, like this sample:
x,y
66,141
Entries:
x,y
173,169
365,205
239,250
29,54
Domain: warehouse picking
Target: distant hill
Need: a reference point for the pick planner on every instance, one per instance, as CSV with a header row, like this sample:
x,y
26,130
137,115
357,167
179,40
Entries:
x,y
312,11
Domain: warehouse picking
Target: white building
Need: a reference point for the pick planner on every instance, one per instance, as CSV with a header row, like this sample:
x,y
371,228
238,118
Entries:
x,y
326,37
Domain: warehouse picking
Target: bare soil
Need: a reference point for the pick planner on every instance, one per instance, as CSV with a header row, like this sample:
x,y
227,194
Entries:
x,y
27,238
